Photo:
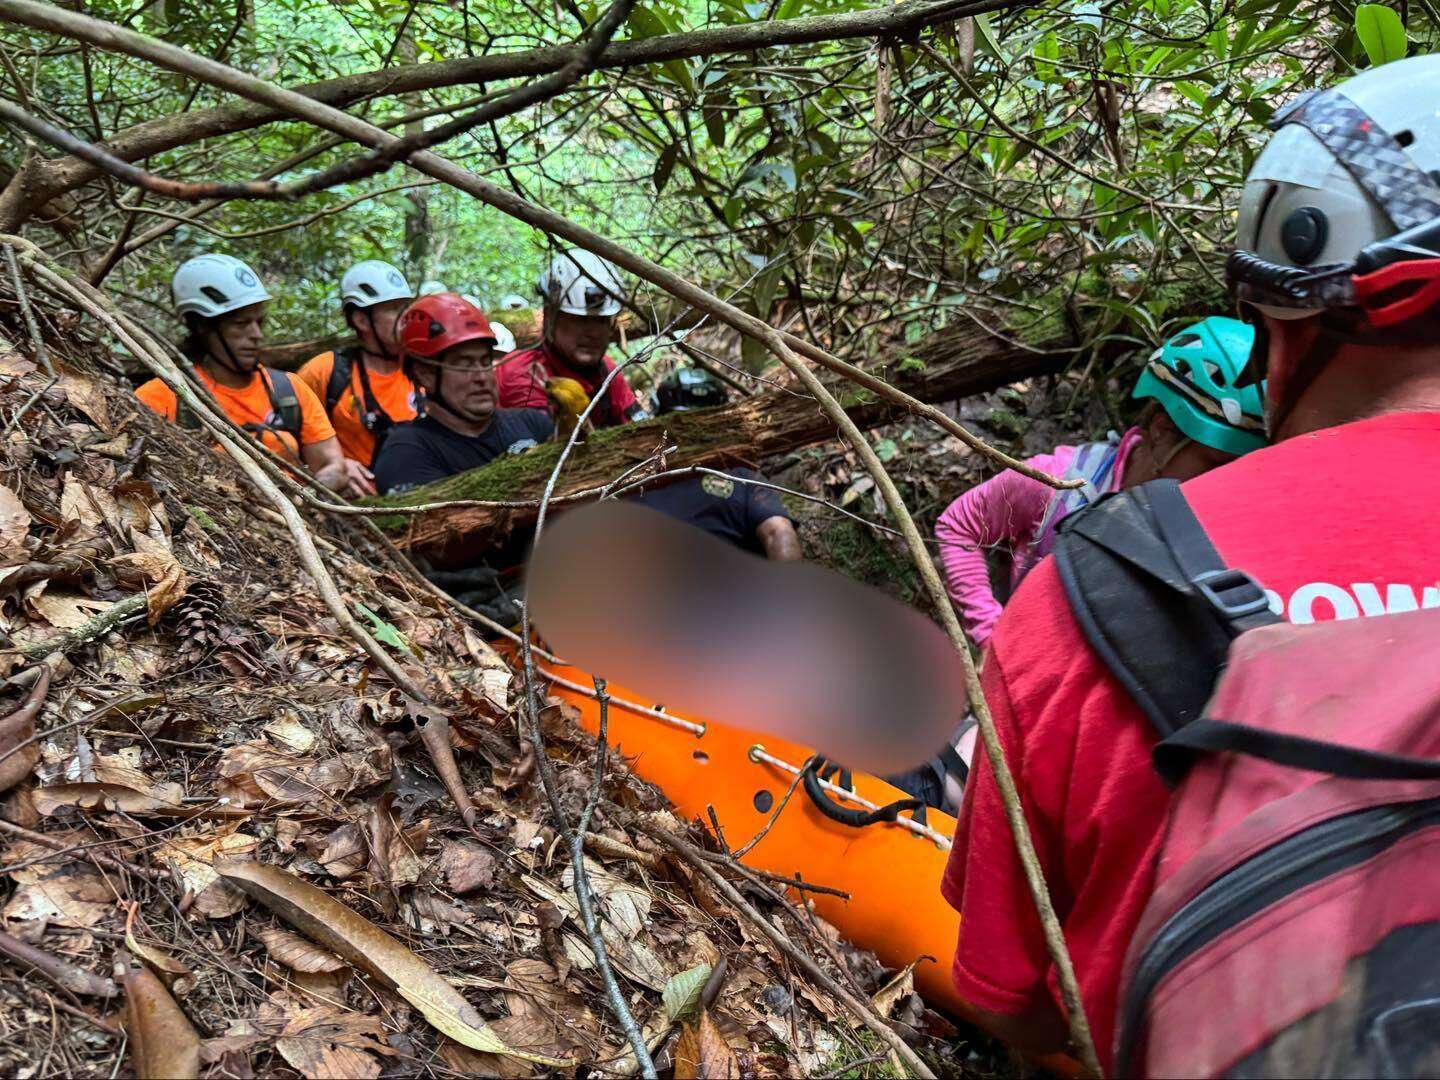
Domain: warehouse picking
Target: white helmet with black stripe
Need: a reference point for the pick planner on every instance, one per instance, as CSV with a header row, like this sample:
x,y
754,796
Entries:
x,y
373,282
213,285
1341,211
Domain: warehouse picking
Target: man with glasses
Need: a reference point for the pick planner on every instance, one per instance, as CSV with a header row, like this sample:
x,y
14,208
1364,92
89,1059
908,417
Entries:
x,y
449,350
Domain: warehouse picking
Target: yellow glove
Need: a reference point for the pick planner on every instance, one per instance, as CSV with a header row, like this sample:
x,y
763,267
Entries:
x,y
568,402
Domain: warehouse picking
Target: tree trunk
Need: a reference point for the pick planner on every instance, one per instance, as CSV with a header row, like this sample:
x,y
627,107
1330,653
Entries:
x,y
947,366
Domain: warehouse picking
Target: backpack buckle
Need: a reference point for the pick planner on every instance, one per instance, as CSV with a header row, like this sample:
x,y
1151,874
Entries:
x,y
1215,585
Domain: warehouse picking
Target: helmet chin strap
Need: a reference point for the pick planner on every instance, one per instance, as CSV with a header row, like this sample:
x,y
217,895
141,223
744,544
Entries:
x,y
385,353
1170,455
228,361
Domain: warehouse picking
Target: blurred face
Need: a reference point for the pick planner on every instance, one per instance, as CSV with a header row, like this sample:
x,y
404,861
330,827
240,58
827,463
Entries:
x,y
1292,362
242,332
378,326
466,381
580,340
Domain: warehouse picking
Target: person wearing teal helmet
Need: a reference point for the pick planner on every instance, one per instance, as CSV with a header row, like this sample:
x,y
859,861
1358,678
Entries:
x,y
1193,376
1197,419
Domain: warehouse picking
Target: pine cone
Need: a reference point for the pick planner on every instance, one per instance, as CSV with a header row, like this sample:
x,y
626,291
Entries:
x,y
199,621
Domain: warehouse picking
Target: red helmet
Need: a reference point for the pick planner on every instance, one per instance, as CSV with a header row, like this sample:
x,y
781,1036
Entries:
x,y
441,321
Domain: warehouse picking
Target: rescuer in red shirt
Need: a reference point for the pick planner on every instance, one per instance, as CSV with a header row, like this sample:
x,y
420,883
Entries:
x,y
1338,266
581,296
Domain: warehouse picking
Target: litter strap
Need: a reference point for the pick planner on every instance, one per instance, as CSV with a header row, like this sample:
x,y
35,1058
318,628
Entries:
x,y
760,755
818,769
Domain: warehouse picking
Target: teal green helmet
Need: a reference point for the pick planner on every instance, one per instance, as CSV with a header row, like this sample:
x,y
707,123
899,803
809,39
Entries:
x,y
1193,376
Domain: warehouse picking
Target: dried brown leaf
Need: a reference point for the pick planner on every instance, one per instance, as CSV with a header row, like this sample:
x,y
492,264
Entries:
x,y
175,975
101,796
344,852
64,611
162,1039
467,867
88,396
295,952
71,895
325,1041
901,986
364,944
432,912
701,1052
14,524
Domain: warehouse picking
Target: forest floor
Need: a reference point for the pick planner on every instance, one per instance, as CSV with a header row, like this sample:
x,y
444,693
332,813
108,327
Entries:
x,y
198,709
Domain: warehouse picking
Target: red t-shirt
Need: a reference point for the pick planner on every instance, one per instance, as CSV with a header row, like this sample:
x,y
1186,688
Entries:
x,y
1337,524
520,381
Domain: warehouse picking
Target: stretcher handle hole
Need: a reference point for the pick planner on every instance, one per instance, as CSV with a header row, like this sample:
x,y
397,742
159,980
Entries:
x,y
701,756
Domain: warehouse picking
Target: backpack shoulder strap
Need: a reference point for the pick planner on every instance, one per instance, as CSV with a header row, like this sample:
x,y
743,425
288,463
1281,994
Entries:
x,y
286,401
1155,600
340,368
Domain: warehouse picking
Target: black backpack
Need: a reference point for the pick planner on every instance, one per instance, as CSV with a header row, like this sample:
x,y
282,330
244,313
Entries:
x,y
284,406
373,418
1141,574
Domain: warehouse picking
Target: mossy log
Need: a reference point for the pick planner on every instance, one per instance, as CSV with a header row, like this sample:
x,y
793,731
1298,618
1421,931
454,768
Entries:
x,y
942,368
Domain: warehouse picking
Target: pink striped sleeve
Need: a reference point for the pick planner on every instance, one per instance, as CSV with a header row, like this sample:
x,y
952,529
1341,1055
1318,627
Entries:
x,y
1005,511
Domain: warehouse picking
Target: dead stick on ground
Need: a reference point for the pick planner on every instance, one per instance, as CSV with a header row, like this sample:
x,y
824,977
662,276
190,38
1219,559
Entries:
x,y
867,1015
61,972
106,35
107,620
111,862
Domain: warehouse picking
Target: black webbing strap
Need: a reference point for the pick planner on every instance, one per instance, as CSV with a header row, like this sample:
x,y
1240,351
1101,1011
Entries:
x,y
954,764
1174,755
1154,599
818,769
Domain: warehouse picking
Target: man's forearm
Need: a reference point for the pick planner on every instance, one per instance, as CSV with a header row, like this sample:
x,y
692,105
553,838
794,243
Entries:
x,y
781,542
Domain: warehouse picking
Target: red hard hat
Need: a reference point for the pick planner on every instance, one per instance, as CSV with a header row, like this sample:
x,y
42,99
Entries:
x,y
441,321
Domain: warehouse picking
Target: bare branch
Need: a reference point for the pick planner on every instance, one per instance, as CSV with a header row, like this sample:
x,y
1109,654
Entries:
x,y
166,133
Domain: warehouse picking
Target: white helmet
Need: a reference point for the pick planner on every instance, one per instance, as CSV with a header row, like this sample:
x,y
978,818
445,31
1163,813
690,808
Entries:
x,y
373,282
582,283
513,302
1345,191
504,339
213,285
431,286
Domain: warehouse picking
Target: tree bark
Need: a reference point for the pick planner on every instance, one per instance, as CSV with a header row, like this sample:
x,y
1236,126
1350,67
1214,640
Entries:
x,y
947,366
60,175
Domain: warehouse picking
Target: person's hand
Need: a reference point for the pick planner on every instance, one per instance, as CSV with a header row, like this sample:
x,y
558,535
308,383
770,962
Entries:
x,y
358,479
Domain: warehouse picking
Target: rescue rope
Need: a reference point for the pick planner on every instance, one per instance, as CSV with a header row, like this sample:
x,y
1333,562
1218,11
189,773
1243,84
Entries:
x,y
759,755
698,730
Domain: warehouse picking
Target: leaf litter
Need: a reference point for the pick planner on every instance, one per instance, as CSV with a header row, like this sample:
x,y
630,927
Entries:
x,y
228,809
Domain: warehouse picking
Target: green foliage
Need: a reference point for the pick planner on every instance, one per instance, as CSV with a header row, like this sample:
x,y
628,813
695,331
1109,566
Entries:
x,y
1381,33
1051,161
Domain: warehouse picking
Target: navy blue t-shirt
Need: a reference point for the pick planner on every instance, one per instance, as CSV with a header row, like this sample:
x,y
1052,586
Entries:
x,y
425,450
724,508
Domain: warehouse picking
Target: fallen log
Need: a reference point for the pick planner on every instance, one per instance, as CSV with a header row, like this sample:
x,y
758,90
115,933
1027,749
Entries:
x,y
944,367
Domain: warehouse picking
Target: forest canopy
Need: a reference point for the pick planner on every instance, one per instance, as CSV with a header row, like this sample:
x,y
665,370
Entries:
x,y
907,169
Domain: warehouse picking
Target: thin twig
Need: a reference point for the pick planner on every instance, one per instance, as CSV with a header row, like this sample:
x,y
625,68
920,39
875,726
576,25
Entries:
x,y
42,355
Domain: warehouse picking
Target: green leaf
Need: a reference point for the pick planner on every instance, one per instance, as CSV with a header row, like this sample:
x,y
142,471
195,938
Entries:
x,y
1381,33
384,632
644,23
682,993
986,39
715,125
885,449
665,166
